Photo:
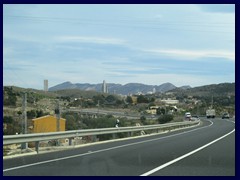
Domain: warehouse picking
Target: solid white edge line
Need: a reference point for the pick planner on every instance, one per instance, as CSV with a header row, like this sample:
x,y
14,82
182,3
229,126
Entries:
x,y
184,156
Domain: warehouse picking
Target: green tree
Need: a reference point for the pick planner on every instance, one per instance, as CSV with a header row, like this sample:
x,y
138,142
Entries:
x,y
39,113
12,126
165,118
142,99
31,114
161,111
10,97
129,100
119,102
152,99
110,98
98,98
76,103
8,119
19,113
12,100
143,120
71,123
12,129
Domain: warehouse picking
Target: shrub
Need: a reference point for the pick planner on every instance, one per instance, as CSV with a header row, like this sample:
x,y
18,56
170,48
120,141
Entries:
x,y
165,118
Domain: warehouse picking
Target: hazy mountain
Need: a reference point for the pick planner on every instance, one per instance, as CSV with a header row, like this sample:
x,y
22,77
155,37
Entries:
x,y
222,89
130,88
65,85
185,87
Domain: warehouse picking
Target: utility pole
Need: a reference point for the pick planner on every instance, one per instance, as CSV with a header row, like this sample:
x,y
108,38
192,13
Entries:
x,y
98,107
57,112
212,103
24,119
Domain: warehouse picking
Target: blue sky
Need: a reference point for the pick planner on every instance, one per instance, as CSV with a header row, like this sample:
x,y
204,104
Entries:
x,y
184,44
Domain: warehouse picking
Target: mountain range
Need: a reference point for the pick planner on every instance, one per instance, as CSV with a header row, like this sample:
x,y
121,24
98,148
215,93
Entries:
x,y
130,88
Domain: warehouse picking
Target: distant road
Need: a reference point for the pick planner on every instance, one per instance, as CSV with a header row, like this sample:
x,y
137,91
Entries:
x,y
206,150
105,112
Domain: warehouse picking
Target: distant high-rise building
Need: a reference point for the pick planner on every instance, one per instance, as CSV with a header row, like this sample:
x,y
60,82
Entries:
x,y
154,90
45,85
104,87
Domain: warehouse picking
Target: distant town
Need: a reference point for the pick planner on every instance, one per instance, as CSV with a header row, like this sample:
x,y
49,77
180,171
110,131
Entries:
x,y
79,107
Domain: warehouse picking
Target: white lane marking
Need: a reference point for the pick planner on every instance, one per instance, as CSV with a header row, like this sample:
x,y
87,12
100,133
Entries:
x,y
102,150
184,156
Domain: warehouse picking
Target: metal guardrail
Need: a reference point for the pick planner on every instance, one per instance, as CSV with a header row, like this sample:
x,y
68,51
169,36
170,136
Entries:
x,y
38,137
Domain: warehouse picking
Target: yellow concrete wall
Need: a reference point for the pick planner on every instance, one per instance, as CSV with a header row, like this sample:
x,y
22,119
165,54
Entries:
x,y
47,124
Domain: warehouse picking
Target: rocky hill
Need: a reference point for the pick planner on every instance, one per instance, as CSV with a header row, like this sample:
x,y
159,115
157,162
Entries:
x,y
222,89
130,88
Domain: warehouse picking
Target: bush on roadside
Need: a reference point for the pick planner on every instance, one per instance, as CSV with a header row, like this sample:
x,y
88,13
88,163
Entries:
x,y
165,118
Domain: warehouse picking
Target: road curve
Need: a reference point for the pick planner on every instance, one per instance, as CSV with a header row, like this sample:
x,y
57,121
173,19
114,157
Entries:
x,y
206,150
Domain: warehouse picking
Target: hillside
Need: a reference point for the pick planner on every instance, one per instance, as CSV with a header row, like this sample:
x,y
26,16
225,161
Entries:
x,y
223,89
76,93
40,103
130,88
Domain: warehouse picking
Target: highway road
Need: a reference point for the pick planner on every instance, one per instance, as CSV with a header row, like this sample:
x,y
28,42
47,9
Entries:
x,y
105,112
113,112
205,150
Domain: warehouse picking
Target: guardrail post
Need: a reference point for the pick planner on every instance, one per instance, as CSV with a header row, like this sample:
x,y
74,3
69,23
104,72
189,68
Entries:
x,y
114,136
94,138
24,145
130,134
70,141
37,146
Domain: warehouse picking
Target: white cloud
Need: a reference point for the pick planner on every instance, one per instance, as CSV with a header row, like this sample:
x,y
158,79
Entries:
x,y
26,38
176,79
68,47
190,55
217,8
95,40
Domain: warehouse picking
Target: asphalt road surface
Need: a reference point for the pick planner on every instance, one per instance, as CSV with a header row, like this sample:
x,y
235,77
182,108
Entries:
x,y
206,150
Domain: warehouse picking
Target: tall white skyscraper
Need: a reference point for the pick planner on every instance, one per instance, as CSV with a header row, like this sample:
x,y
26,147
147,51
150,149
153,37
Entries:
x,y
104,87
45,85
154,90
